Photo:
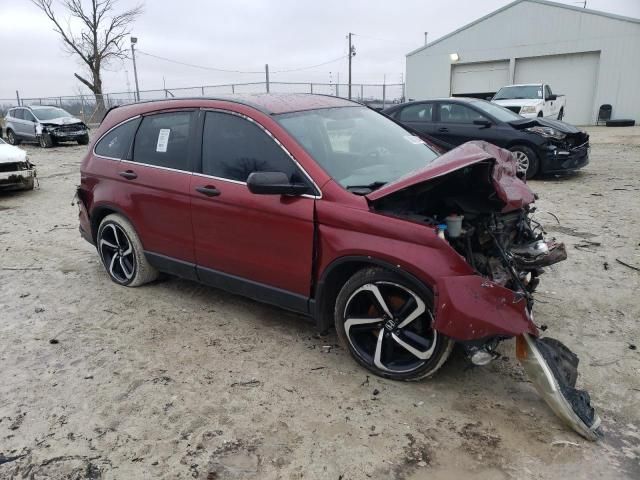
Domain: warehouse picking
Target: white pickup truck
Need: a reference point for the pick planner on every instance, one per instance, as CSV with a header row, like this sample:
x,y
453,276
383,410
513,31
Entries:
x,y
531,100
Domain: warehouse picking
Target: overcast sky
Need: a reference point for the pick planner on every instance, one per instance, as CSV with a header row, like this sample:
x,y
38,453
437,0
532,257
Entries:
x,y
244,35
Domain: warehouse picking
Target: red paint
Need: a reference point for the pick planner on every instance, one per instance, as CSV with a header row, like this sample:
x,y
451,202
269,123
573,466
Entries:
x,y
270,239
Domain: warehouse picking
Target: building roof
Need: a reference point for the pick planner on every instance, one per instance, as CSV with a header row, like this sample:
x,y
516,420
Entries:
x,y
514,3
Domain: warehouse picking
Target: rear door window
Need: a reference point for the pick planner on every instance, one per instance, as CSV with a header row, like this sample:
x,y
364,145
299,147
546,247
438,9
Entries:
x,y
457,113
117,142
163,140
416,113
233,148
17,114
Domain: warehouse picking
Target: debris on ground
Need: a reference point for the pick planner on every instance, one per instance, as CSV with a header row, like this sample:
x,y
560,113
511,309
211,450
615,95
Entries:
x,y
627,265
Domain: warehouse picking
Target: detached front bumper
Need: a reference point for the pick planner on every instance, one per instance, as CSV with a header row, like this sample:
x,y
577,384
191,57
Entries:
x,y
17,180
564,158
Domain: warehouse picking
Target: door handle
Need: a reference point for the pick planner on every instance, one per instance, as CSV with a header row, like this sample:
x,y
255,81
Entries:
x,y
443,129
128,174
209,191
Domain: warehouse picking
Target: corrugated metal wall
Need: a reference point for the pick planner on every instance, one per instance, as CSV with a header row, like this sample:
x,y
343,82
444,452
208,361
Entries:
x,y
531,29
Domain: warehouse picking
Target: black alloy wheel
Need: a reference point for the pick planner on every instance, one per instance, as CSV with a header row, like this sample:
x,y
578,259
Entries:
x,y
387,324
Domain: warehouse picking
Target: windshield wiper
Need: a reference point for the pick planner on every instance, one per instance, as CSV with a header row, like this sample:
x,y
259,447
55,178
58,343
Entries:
x,y
364,189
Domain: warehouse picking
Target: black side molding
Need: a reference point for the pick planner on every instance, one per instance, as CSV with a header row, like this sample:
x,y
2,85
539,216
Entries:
x,y
231,283
171,265
257,291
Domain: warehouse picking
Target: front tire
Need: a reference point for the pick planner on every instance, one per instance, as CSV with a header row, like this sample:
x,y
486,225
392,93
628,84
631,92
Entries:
x,y
12,138
45,140
561,114
527,162
122,254
84,140
386,322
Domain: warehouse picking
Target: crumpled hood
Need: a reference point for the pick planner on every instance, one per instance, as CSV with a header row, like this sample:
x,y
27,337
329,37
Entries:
x,y
518,102
61,121
509,188
545,122
11,154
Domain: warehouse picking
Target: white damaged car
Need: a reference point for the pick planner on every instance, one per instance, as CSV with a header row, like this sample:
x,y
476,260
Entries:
x,y
16,171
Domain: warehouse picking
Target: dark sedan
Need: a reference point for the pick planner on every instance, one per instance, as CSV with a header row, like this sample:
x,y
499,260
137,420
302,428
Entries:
x,y
539,145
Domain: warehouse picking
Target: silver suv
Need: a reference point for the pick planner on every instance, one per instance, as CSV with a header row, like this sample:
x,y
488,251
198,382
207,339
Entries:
x,y
45,125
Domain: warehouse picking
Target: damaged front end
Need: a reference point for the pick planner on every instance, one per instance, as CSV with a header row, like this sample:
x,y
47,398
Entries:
x,y
474,202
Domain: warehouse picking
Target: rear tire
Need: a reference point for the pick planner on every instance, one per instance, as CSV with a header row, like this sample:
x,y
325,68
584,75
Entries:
x,y
45,140
561,114
122,254
84,140
12,138
399,346
528,162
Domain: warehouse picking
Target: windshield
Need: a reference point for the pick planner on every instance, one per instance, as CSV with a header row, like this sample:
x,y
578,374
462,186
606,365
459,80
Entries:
x,y
361,149
521,91
49,113
496,111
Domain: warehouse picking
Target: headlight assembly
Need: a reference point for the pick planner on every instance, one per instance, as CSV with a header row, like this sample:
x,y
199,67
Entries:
x,y
547,132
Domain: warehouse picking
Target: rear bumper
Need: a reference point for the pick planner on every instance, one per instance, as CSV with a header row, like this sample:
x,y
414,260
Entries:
x,y
557,159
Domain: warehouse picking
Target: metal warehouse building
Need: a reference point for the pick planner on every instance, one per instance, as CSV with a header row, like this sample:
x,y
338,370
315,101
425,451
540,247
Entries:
x,y
592,57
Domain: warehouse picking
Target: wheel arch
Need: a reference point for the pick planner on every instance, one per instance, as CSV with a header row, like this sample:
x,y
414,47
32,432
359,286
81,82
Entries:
x,y
335,276
99,212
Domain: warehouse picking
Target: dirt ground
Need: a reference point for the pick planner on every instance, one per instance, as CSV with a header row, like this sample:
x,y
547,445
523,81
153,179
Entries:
x,y
175,380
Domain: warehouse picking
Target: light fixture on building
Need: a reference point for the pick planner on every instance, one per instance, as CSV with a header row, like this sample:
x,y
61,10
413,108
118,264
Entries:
x,y
454,57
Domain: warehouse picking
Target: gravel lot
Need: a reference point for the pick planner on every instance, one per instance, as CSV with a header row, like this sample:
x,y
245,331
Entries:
x,y
177,380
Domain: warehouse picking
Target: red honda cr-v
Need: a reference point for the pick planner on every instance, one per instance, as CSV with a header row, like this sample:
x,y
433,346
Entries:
x,y
328,208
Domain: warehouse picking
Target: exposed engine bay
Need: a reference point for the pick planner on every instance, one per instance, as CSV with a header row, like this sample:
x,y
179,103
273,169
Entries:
x,y
506,247
499,239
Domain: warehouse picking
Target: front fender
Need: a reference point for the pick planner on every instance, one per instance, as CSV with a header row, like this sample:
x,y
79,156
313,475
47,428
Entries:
x,y
470,307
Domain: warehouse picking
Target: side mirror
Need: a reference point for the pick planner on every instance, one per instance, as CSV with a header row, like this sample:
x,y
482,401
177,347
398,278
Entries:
x,y
482,123
552,97
274,183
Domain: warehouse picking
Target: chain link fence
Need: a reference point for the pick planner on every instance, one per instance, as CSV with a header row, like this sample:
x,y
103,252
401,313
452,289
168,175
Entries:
x,y
91,111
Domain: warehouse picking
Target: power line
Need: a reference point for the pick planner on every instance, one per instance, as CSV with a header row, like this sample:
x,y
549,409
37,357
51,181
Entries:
x,y
237,71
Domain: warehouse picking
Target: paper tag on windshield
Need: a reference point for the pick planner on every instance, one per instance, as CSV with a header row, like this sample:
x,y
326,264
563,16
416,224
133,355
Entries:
x,y
413,139
163,139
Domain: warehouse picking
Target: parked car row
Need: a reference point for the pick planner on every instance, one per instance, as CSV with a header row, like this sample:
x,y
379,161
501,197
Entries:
x,y
45,125
539,145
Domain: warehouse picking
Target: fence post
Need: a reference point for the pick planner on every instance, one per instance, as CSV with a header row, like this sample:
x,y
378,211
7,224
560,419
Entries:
x,y
403,94
384,95
82,108
266,75
202,91
311,85
233,88
361,92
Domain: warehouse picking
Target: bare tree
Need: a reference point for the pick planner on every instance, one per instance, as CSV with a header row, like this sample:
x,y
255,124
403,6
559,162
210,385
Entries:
x,y
94,32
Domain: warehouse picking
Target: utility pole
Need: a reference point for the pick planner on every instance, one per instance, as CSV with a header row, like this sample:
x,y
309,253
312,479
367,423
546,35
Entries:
x,y
425,37
134,40
352,53
266,75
